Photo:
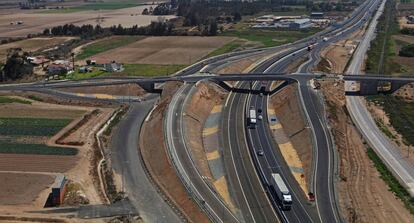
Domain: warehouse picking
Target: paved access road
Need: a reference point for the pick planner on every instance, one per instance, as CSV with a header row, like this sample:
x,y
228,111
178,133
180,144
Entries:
x,y
387,150
127,162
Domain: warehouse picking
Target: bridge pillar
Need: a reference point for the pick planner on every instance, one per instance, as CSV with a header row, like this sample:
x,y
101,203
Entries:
x,y
149,87
395,85
368,87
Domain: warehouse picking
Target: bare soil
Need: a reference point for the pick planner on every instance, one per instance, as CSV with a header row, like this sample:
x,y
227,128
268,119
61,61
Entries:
x,y
153,151
19,188
403,23
363,195
165,50
197,111
406,93
36,22
37,163
31,45
240,66
124,89
289,113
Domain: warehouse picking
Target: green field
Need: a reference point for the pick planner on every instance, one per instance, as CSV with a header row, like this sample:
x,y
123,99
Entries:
x,y
7,100
402,119
31,126
269,38
227,48
111,5
141,70
38,149
105,45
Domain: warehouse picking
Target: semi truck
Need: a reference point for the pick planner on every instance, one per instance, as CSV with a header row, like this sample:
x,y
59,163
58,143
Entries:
x,y
251,119
282,193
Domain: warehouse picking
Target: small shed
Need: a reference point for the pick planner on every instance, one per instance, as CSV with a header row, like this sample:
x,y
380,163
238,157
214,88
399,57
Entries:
x,y
59,189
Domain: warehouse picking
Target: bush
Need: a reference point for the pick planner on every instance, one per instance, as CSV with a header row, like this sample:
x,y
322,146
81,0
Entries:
x,y
407,51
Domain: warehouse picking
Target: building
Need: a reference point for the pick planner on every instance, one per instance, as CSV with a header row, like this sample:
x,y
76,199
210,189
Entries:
x,y
317,15
59,189
300,24
59,67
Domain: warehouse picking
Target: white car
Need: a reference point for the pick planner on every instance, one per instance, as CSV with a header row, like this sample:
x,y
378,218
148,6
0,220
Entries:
x,y
260,117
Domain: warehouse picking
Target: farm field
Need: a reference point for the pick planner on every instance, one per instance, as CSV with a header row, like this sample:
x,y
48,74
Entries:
x,y
165,50
20,188
107,5
37,163
36,22
31,45
105,45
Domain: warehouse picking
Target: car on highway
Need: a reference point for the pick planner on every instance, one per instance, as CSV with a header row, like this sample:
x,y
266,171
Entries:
x,y
260,117
260,153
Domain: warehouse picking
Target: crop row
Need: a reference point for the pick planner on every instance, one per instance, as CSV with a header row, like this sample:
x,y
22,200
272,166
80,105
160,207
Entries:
x,y
31,126
37,149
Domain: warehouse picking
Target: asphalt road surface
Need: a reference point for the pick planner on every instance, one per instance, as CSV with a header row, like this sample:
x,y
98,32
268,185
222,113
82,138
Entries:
x,y
127,162
387,150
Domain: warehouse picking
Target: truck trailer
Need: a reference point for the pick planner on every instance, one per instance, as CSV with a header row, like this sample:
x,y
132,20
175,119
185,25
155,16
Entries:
x,y
251,119
282,193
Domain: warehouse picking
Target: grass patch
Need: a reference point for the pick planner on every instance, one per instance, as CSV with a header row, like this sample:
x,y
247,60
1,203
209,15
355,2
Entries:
x,y
269,38
391,181
38,149
402,119
227,48
383,47
141,70
111,5
35,98
105,45
7,100
32,126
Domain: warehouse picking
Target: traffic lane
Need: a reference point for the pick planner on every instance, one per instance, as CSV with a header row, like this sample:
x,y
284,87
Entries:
x,y
324,164
258,201
275,160
236,189
127,162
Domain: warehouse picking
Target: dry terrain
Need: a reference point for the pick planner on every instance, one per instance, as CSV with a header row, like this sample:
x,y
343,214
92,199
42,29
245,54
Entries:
x,y
124,89
403,23
36,21
165,50
197,111
288,111
363,195
154,154
31,45
22,188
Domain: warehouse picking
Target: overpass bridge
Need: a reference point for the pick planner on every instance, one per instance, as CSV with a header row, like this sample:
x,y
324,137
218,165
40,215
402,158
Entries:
x,y
368,84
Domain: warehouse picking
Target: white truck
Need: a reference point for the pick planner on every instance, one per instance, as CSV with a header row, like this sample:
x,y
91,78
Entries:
x,y
282,192
251,119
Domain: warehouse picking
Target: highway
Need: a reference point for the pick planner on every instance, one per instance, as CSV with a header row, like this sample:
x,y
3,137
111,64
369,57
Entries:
x,y
382,145
323,172
201,192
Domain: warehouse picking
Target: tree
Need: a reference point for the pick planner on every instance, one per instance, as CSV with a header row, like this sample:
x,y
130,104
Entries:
x,y
212,29
237,16
17,65
145,11
46,32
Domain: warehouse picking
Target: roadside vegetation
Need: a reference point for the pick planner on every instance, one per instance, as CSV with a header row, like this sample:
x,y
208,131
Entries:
x,y
393,184
7,100
105,45
227,48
